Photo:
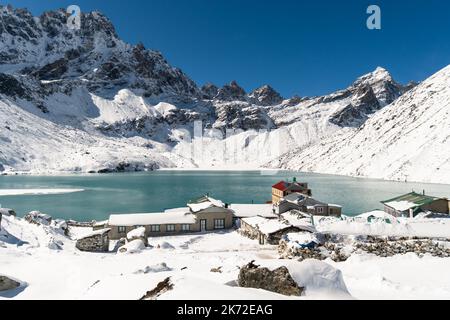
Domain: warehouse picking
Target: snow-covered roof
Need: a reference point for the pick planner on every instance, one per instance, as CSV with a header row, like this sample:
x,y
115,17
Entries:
x,y
253,210
100,223
146,219
302,200
409,201
184,209
269,226
299,220
205,203
401,205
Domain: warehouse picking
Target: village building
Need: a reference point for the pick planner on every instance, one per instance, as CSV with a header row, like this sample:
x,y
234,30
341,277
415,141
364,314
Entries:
x,y
285,188
201,215
307,204
97,241
411,204
242,211
271,231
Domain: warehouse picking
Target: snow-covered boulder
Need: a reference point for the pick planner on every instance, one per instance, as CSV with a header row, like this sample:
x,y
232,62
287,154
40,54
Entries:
x,y
160,267
134,246
164,245
137,234
319,278
39,218
54,244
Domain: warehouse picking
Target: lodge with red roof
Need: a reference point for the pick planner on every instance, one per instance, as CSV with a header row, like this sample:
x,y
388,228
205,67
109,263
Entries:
x,y
285,188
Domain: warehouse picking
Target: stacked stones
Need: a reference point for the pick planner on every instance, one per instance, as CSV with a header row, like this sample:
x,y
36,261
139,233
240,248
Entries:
x,y
392,248
383,247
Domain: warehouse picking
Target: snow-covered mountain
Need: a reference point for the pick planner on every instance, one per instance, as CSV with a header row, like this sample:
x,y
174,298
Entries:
x,y
86,101
407,140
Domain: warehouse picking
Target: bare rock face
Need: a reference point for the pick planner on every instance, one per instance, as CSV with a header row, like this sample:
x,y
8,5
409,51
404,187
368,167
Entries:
x,y
8,284
278,281
231,92
10,86
266,96
209,91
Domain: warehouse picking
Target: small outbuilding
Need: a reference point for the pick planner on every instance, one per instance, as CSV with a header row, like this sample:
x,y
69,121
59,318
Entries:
x,y
307,204
271,231
97,241
411,204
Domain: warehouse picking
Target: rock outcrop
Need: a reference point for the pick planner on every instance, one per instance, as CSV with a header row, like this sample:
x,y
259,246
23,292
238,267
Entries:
x,y
278,281
231,92
160,289
97,241
265,96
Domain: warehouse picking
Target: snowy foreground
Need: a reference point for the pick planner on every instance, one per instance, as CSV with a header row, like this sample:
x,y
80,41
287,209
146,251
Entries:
x,y
48,265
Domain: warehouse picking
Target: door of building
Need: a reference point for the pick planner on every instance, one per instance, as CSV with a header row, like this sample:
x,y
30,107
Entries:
x,y
203,225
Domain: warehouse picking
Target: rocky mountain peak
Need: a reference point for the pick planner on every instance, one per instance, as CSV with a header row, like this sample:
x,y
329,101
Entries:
x,y
266,96
45,49
209,91
231,92
385,88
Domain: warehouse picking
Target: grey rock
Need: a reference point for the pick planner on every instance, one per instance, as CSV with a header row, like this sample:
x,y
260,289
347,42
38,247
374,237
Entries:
x,y
8,284
278,281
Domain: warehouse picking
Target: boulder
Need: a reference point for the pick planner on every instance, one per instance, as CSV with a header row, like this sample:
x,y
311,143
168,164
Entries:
x,y
97,241
278,281
38,218
137,234
8,284
119,244
134,246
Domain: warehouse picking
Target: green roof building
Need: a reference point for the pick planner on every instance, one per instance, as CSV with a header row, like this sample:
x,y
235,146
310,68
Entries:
x,y
411,204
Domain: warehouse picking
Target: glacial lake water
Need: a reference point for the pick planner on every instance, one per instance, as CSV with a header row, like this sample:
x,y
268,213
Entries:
x,y
156,191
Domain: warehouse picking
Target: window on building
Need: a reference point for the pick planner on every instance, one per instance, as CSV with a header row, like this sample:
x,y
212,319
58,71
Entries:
x,y
122,229
320,210
170,228
219,224
186,227
155,228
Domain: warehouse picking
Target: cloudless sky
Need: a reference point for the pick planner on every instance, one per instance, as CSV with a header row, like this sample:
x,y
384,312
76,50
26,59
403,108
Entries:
x,y
299,47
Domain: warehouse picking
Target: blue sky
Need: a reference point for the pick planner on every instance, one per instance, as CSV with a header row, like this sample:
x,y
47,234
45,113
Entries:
x,y
298,47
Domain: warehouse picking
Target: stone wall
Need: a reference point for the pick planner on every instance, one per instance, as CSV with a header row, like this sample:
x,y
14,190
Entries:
x,y
340,248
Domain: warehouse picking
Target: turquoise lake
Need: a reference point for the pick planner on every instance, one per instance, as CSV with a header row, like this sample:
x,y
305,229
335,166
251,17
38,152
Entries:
x,y
156,191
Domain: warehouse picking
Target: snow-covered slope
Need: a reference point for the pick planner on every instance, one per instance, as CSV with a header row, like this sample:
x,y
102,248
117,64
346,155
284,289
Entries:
x,y
84,100
407,140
